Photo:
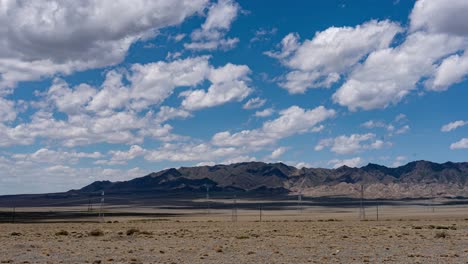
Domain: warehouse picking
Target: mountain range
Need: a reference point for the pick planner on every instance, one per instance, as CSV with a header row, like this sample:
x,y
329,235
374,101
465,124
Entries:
x,y
418,179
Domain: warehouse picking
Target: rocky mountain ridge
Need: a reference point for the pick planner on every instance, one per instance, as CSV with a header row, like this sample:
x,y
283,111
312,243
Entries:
x,y
416,179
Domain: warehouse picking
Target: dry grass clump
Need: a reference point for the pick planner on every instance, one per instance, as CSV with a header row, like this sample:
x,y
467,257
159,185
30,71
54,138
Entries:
x,y
96,232
242,237
62,233
441,234
132,231
15,234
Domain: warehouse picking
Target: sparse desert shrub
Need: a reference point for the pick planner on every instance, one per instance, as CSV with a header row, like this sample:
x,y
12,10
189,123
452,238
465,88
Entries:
x,y
15,234
242,237
132,231
146,233
441,234
62,233
96,232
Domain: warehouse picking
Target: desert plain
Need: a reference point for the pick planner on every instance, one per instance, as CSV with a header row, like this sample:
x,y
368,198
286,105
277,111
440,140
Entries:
x,y
402,234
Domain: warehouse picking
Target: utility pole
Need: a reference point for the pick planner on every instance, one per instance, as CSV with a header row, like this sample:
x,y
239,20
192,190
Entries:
x,y
260,209
432,200
14,214
101,213
234,209
362,213
377,207
208,198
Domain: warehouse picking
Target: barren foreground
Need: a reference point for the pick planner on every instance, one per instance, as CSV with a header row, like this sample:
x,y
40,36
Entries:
x,y
199,240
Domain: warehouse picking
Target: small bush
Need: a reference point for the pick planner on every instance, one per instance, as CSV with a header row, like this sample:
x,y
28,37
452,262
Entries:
x,y
15,234
62,233
96,232
242,237
441,234
132,231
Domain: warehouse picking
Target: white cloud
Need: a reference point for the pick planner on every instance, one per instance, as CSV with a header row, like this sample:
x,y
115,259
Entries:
x,y
45,155
438,16
376,83
122,157
254,103
229,83
452,70
167,113
264,113
293,120
7,110
278,152
189,152
212,32
353,162
403,129
430,52
398,161
43,38
238,159
350,144
321,61
263,34
461,144
453,125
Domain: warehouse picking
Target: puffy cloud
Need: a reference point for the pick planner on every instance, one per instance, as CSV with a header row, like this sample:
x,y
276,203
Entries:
x,y
229,83
40,39
217,23
453,125
121,157
350,144
321,61
189,152
431,51
461,144
353,162
254,103
7,110
264,113
439,16
278,152
390,74
452,70
292,120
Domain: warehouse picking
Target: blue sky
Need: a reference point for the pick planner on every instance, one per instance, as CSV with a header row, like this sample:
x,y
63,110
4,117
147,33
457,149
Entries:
x,y
117,89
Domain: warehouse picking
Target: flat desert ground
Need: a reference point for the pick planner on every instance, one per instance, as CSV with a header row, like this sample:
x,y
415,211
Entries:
x,y
312,235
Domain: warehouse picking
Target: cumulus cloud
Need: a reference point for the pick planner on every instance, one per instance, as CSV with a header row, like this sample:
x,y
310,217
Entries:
x,y
353,162
278,152
7,110
321,61
293,120
212,33
350,144
40,39
453,125
229,83
122,157
433,50
461,144
264,113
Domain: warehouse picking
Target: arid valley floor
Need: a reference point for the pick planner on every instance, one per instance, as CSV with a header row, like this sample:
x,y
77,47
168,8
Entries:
x,y
409,234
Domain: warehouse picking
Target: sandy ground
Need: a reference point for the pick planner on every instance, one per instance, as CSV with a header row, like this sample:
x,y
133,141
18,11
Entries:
x,y
402,235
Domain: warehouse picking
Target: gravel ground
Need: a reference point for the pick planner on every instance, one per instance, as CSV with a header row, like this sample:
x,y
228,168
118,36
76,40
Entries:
x,y
204,241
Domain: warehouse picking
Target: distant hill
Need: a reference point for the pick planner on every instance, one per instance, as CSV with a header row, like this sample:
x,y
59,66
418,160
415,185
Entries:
x,y
413,180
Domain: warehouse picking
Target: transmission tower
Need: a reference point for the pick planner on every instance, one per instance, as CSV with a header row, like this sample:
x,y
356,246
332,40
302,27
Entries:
x,y
101,213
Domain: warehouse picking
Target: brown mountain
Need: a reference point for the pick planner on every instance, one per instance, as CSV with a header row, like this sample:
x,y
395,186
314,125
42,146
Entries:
x,y
413,180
